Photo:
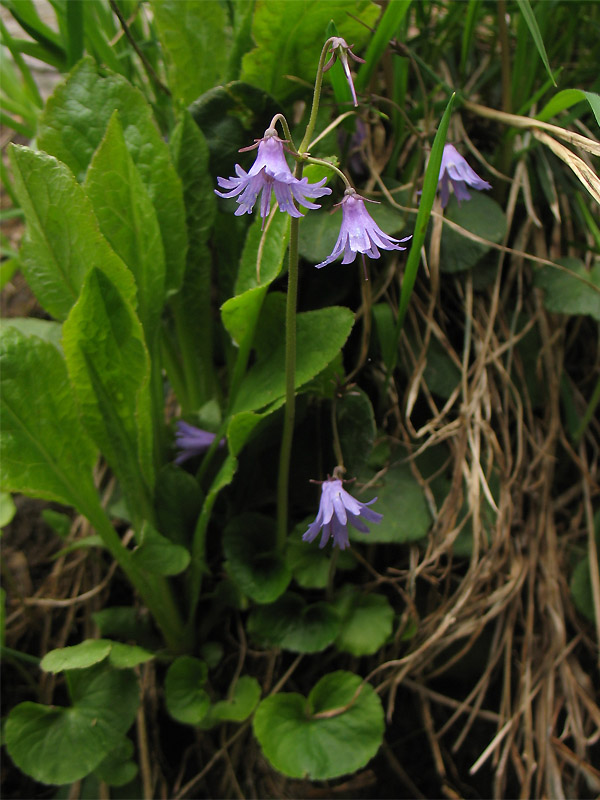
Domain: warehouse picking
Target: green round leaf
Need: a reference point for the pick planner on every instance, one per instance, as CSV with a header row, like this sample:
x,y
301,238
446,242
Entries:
x,y
62,745
402,502
570,292
301,744
293,625
252,561
245,698
480,215
160,555
366,622
186,700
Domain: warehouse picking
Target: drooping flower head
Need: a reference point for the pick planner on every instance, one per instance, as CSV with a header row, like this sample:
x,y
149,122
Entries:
x,y
340,49
455,170
192,441
336,510
270,172
359,233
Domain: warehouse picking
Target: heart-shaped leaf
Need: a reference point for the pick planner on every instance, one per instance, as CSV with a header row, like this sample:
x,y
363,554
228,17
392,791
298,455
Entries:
x,y
186,700
294,625
333,732
61,745
366,622
245,698
252,561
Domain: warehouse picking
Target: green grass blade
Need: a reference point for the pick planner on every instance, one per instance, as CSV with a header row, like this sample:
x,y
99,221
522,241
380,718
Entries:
x,y
427,197
566,99
469,30
529,17
386,30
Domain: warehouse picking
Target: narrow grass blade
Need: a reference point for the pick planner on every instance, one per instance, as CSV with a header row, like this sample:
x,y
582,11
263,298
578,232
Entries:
x,y
75,27
469,29
386,30
427,197
529,17
568,98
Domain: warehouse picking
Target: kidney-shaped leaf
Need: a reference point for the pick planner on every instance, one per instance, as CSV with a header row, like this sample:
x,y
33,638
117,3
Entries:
x,y
186,700
245,698
301,739
294,625
366,622
61,745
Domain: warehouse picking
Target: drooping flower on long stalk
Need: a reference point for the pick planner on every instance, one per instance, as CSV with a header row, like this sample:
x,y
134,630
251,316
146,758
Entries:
x,y
270,171
340,49
336,510
455,170
359,233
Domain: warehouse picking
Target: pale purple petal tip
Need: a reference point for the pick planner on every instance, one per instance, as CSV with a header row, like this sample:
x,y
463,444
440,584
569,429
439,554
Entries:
x,y
338,509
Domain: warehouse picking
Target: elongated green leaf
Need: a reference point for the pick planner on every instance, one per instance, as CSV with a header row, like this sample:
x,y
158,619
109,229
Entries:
x,y
280,51
109,369
320,336
79,656
566,99
194,37
192,306
45,452
73,125
386,30
60,745
62,240
128,220
301,740
428,196
529,16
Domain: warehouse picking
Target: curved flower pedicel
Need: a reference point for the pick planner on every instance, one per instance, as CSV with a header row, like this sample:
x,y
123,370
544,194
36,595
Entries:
x,y
360,233
270,171
336,510
455,170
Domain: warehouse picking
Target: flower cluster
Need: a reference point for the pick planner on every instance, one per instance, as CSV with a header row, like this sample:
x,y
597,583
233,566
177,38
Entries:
x,y
337,509
455,170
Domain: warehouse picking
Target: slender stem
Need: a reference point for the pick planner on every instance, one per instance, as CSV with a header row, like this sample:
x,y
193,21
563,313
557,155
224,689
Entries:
x,y
316,98
290,383
323,163
337,446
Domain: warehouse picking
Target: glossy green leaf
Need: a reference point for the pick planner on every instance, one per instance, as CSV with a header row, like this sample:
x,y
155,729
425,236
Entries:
x,y
186,29
366,622
402,502
38,459
59,745
575,290
280,51
125,656
245,699
109,369
128,220
320,336
252,558
301,744
160,555
292,624
480,215
73,125
62,241
186,700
